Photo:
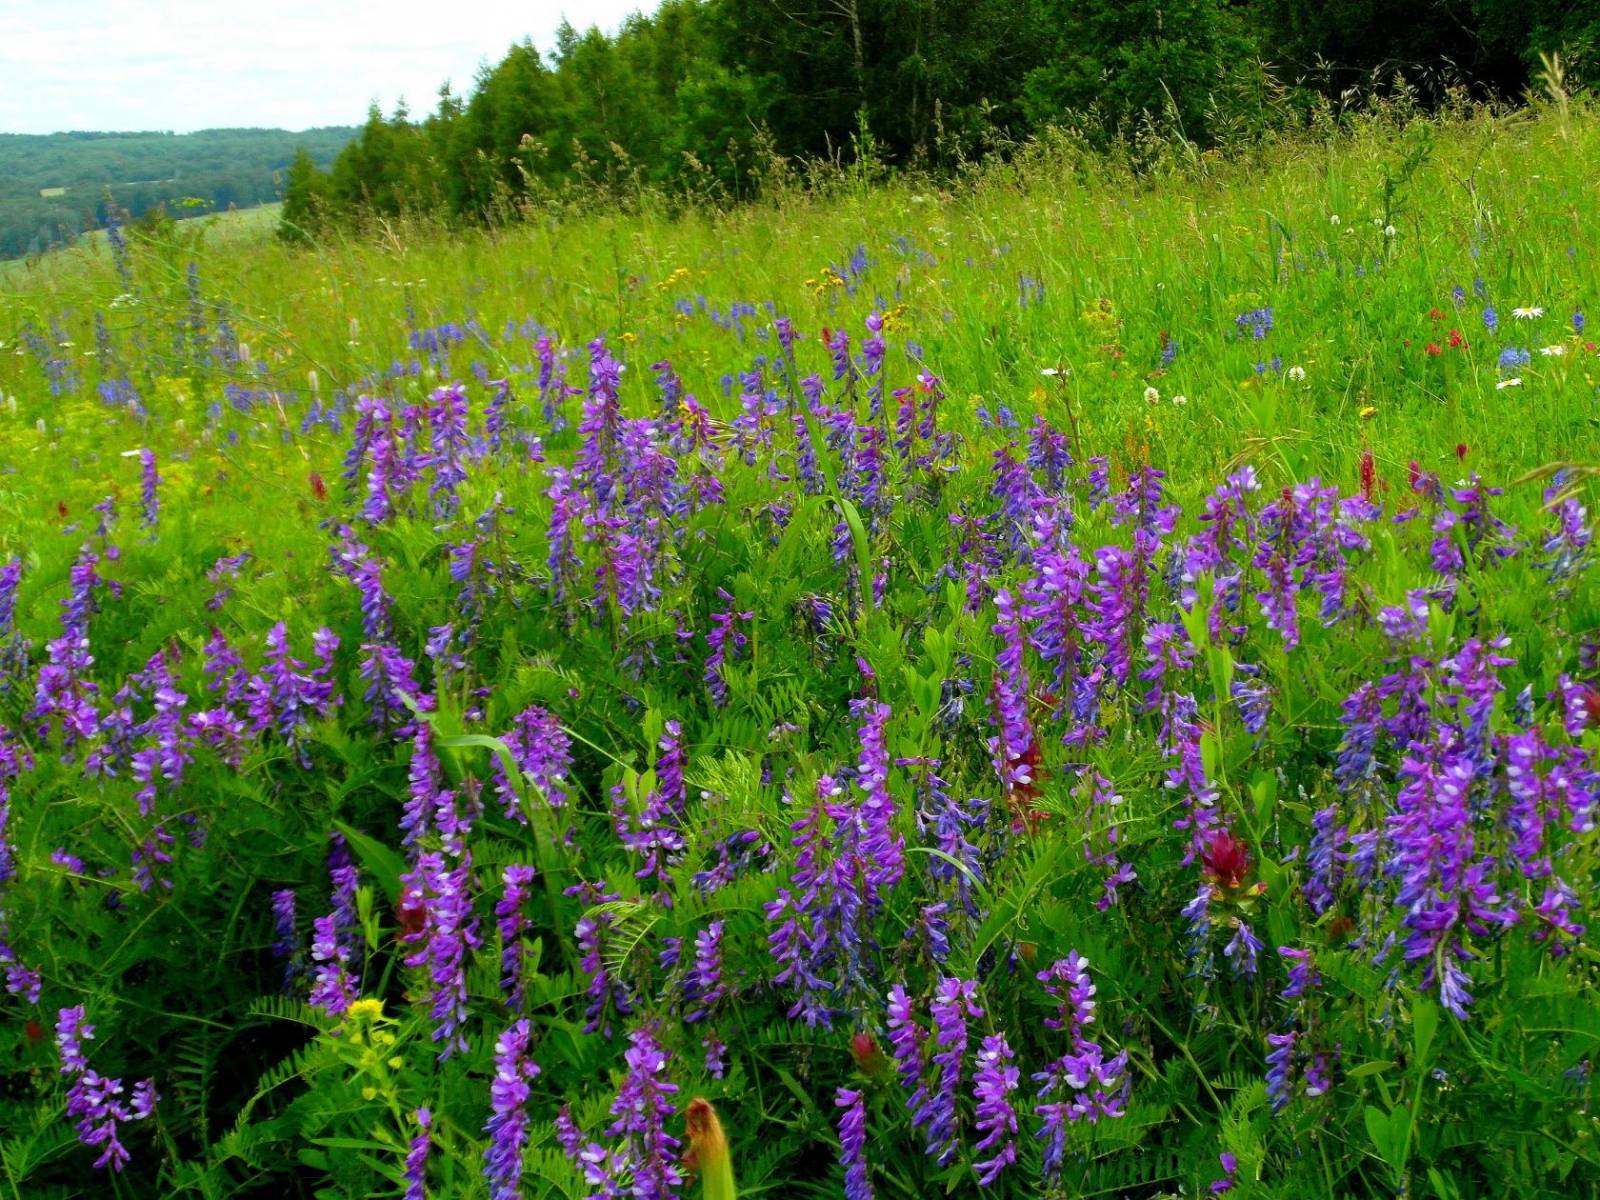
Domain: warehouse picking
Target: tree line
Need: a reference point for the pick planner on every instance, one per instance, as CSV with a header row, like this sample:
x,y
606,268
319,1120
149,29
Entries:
x,y
697,93
55,186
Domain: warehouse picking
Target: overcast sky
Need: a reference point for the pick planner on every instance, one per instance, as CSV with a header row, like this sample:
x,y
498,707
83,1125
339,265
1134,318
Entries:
x,y
182,65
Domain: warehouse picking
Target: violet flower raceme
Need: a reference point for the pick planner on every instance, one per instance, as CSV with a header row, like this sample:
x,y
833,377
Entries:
x,y
15,760
94,1100
724,640
1280,1065
424,788
853,1143
1324,859
1230,1174
642,1109
1083,1084
417,1156
447,417
600,428
605,993
1117,598
447,933
543,752
996,1078
955,1001
149,483
284,943
514,1070
1013,747
1445,891
882,848
333,988
391,678
512,923
703,985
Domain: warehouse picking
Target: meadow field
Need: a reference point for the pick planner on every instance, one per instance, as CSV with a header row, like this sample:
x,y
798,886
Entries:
x,y
1064,680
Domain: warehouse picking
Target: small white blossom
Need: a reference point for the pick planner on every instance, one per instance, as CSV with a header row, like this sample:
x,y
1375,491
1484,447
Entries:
x,y
1552,351
1051,371
1505,383
1334,219
1180,399
1151,396
1388,231
1297,374
1527,314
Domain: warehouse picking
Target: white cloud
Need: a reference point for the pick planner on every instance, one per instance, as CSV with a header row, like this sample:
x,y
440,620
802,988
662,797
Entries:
x,y
182,64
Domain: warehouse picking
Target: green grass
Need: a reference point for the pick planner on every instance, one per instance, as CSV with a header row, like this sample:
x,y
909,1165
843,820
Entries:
x,y
1043,288
1496,198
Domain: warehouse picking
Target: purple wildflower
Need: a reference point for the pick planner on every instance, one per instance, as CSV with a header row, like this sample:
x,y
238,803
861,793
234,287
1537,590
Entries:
x,y
149,482
512,923
417,1156
642,1108
448,931
996,1078
853,1143
514,1070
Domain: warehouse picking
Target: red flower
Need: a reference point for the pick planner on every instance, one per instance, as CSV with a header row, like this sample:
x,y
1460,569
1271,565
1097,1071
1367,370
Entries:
x,y
1461,452
1435,314
1588,702
1369,474
318,488
868,1054
411,914
1433,350
1457,342
1226,860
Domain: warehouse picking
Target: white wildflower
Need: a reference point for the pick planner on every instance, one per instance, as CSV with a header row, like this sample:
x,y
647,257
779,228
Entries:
x,y
1527,314
1515,381
1152,396
1180,399
1388,231
1334,219
1552,351
1297,374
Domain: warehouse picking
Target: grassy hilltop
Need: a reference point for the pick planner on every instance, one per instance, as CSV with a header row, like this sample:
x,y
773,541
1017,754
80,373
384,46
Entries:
x,y
1063,681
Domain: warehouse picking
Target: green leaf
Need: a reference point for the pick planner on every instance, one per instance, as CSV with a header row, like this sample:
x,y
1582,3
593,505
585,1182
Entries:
x,y
1424,1024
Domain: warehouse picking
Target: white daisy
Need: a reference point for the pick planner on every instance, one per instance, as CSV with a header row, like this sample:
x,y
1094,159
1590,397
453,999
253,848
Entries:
x,y
1527,314
1552,351
1505,383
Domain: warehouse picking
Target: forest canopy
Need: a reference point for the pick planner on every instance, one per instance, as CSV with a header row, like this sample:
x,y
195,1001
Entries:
x,y
55,186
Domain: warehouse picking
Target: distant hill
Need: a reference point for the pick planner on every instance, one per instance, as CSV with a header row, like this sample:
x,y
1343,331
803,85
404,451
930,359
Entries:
x,y
53,186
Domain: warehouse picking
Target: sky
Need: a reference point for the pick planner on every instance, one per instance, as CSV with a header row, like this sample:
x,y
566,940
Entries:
x,y
181,65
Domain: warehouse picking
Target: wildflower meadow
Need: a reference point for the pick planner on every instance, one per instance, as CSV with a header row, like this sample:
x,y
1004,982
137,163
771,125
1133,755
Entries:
x,y
1061,680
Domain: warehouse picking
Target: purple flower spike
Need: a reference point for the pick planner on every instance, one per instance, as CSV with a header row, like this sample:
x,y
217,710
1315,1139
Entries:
x,y
853,1144
993,1084
514,1070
